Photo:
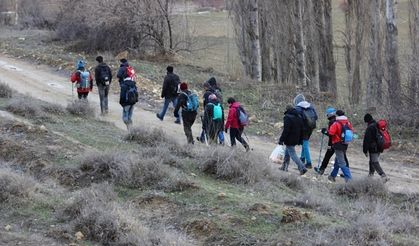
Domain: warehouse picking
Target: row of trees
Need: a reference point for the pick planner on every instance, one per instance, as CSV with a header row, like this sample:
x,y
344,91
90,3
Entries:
x,y
292,42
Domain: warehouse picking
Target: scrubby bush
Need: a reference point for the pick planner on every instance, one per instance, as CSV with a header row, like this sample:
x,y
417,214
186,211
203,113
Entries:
x,y
96,213
365,186
234,165
15,187
26,106
133,171
5,90
147,137
81,108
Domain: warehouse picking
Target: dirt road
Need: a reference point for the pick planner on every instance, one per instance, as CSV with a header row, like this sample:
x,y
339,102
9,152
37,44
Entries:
x,y
44,83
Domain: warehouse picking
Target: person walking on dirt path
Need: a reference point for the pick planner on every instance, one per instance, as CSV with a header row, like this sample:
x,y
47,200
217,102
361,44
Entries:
x,y
309,115
83,80
291,136
336,132
331,116
103,77
213,121
122,71
232,123
188,102
371,149
128,98
169,93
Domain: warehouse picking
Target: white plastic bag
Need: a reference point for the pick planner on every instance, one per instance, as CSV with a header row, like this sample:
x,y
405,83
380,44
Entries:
x,y
277,155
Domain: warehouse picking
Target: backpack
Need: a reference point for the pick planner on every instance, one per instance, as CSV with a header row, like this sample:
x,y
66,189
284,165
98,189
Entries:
x,y
347,134
84,80
192,103
131,73
383,136
309,116
104,74
217,111
131,96
242,117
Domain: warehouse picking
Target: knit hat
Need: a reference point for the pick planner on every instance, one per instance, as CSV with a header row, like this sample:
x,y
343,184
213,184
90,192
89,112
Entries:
x,y
299,98
80,64
368,118
183,86
212,97
330,112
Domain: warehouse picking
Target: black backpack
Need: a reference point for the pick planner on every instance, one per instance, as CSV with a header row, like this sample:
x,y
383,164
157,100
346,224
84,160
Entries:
x,y
104,75
131,95
309,116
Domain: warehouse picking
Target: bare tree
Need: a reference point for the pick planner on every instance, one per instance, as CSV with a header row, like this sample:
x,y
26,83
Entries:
x,y
299,43
414,57
254,39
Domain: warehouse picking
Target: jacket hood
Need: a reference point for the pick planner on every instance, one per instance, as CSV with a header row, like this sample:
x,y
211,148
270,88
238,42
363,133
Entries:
x,y
235,105
292,111
342,119
304,104
299,98
212,82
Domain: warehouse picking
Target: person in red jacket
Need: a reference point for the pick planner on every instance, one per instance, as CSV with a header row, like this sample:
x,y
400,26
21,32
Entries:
x,y
340,147
83,80
233,124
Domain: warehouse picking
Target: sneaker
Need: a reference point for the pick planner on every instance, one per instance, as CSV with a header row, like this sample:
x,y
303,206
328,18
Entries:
x,y
309,166
342,175
318,170
385,178
247,148
303,160
158,116
331,178
303,172
177,122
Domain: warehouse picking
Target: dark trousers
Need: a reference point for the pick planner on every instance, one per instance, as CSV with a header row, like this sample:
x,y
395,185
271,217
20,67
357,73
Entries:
x,y
329,153
188,119
236,133
103,96
82,95
374,165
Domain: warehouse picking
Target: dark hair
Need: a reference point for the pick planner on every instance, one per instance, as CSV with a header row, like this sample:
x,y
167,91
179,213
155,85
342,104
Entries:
x,y
169,69
340,113
99,59
123,60
231,100
368,118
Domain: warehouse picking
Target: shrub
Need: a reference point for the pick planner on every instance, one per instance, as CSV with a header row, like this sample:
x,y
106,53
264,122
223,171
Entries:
x,y
81,108
5,91
147,137
133,171
365,186
15,187
234,165
26,106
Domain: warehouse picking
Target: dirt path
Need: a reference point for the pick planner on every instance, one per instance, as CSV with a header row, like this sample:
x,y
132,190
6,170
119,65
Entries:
x,y
43,83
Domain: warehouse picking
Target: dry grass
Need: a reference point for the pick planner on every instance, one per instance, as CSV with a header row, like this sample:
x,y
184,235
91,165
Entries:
x,y
27,107
5,91
81,108
147,137
96,213
361,187
133,171
15,188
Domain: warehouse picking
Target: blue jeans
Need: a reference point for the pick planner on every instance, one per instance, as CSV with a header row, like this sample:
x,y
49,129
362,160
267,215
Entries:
x,y
341,163
305,152
291,154
167,101
127,114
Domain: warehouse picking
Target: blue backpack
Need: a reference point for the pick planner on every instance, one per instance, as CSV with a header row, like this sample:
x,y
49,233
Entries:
x,y
217,111
84,80
347,134
242,116
192,103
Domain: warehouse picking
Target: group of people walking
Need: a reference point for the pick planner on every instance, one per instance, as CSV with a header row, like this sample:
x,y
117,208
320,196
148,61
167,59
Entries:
x,y
299,123
299,119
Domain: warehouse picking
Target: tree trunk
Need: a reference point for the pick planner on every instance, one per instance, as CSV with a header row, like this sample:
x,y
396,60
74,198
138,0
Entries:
x,y
392,60
330,60
359,32
312,44
255,42
264,43
348,45
414,59
299,44
323,76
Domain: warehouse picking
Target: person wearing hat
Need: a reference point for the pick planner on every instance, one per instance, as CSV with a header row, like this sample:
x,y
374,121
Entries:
x,y
370,147
169,93
188,102
213,121
331,116
291,136
83,80
103,77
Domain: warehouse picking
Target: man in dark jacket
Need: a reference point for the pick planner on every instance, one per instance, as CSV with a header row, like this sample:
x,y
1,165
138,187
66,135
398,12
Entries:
x,y
122,72
188,115
305,109
169,92
127,106
213,121
103,77
370,147
291,136
331,116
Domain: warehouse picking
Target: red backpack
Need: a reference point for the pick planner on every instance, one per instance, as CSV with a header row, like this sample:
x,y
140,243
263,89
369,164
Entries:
x,y
131,73
383,136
